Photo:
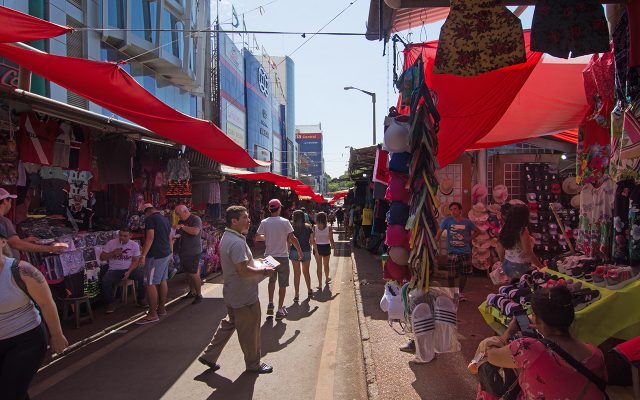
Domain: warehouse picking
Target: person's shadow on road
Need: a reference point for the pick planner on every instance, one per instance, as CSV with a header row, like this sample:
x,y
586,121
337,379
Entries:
x,y
272,333
300,310
240,389
324,295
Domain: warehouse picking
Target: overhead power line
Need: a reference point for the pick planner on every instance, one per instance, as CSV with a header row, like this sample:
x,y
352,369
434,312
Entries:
x,y
303,34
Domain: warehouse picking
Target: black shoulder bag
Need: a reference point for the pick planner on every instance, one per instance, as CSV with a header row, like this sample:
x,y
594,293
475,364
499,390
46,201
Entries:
x,y
578,366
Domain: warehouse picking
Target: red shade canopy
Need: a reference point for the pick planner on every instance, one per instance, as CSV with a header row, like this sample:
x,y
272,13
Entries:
x,y
109,86
509,105
19,27
283,181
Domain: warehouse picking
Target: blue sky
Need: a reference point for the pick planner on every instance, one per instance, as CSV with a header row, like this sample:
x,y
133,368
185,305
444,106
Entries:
x,y
326,64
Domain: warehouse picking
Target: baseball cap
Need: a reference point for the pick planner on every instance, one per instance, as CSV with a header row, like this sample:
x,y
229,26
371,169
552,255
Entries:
x,y
146,206
6,195
274,204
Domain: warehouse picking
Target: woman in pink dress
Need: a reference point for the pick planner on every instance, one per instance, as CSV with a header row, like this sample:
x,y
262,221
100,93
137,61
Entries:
x,y
543,374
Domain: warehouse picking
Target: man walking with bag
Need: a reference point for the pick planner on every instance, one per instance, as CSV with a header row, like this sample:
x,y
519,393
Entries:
x,y
277,233
240,293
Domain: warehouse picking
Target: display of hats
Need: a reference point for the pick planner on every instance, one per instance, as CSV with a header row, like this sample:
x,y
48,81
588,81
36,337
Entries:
x,y
500,194
482,244
569,185
396,191
446,186
514,202
575,201
398,213
399,255
479,192
396,135
393,271
556,188
494,208
397,236
483,226
399,162
481,253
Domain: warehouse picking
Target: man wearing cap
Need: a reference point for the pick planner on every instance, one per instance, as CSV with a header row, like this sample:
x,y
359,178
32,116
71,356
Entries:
x,y
277,233
155,257
460,232
15,243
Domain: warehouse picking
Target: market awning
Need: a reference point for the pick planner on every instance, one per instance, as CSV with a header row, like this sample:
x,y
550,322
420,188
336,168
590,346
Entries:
x,y
279,180
19,27
543,96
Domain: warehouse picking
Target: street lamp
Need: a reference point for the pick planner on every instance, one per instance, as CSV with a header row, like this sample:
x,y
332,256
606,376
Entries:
x,y
373,100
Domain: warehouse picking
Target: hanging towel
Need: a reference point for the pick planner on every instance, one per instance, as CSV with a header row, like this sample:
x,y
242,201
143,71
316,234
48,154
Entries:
x,y
424,330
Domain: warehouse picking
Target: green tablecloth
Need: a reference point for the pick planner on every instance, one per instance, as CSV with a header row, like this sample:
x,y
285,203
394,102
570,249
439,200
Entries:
x,y
616,314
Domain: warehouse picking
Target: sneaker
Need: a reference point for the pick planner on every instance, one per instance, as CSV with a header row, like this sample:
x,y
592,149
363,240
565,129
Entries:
x,y
262,369
599,274
197,299
617,278
584,297
172,272
212,366
110,309
410,347
270,309
280,314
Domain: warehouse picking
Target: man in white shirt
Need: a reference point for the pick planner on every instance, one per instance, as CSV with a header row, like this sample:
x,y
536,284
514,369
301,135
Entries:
x,y
277,233
123,255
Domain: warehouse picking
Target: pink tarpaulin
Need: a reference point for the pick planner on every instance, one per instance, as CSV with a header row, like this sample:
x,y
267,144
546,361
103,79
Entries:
x,y
541,97
109,86
19,27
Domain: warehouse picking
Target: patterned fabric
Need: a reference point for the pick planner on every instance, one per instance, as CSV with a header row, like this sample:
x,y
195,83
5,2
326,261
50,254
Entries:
x,y
563,27
459,264
596,214
479,36
594,135
627,79
620,251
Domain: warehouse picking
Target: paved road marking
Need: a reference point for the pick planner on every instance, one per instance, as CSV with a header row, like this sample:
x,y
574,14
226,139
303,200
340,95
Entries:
x,y
326,372
101,352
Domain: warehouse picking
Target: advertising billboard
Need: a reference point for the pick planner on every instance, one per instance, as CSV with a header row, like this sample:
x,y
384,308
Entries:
x,y
232,96
310,153
259,103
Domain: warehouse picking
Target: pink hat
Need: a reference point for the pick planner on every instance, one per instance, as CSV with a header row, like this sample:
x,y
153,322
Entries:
x,y
397,236
400,273
479,192
500,194
396,190
6,195
274,204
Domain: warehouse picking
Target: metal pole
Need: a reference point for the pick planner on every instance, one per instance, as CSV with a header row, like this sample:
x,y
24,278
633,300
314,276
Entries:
x,y
373,99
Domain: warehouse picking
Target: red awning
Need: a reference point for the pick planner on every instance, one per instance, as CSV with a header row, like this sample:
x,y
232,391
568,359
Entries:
x,y
512,104
109,86
19,27
283,181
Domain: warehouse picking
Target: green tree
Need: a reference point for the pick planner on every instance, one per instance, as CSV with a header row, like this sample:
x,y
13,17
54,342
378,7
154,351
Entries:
x,y
341,183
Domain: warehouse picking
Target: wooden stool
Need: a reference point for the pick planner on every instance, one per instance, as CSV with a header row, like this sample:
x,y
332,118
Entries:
x,y
124,286
77,303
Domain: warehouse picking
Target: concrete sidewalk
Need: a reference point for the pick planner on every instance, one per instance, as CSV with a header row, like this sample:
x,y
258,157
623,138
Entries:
x,y
396,376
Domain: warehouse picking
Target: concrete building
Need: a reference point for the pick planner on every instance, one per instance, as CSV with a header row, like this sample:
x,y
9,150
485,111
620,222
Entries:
x,y
310,156
173,65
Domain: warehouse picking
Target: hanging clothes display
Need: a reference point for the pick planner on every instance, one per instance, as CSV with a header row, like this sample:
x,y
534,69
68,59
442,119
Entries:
x,y
569,27
596,218
479,36
594,136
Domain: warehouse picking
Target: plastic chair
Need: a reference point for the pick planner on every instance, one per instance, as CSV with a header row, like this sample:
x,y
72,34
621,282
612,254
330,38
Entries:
x,y
124,288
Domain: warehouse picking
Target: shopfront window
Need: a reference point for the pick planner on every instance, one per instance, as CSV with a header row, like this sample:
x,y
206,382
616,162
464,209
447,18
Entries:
x,y
143,16
173,33
116,9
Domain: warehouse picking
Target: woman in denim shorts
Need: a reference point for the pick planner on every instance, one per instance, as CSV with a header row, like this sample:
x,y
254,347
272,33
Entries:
x,y
304,233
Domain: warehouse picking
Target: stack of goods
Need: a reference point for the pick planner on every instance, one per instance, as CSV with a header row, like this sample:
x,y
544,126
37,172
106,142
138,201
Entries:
x,y
517,296
481,251
594,271
396,141
81,256
423,184
179,183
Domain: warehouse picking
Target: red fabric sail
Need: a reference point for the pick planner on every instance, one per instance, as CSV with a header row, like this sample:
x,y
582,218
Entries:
x,y
19,27
109,86
283,181
470,106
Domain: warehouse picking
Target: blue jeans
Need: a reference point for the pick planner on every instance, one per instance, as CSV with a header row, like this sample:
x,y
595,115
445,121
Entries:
x,y
515,270
112,277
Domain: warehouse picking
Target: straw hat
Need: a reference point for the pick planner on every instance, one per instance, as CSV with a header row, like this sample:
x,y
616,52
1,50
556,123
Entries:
x,y
444,208
478,213
494,208
446,186
500,194
575,201
399,255
479,208
481,244
479,192
514,202
481,253
569,186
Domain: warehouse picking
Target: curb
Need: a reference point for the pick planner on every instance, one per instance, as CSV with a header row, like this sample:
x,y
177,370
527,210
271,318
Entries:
x,y
369,366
